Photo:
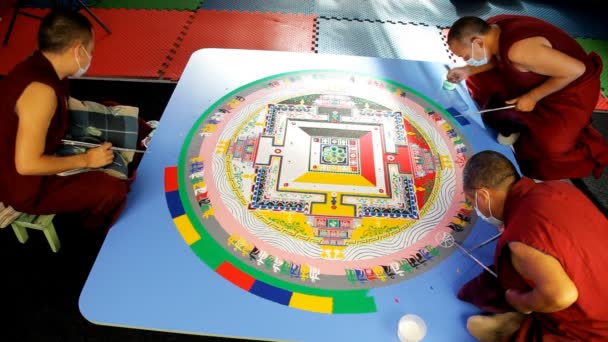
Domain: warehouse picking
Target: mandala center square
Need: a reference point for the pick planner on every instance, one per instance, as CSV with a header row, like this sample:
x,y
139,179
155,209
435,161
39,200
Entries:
x,y
335,154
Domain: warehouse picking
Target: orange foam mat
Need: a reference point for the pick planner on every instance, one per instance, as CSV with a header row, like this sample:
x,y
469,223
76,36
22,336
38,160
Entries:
x,y
22,41
138,46
602,102
242,30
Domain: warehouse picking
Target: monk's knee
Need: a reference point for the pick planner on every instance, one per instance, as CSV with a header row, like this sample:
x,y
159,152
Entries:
x,y
118,192
111,192
553,150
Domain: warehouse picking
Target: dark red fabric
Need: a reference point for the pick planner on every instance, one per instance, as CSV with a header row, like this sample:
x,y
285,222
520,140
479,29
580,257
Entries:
x,y
557,219
559,141
507,121
485,292
96,197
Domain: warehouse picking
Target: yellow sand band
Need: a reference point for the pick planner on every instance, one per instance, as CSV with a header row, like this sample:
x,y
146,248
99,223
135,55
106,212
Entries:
x,y
311,303
185,228
330,178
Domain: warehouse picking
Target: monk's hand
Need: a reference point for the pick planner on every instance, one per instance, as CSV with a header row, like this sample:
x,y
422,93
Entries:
x,y
524,103
99,156
512,297
458,74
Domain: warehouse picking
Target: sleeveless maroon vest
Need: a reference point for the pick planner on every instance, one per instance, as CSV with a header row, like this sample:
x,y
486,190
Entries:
x,y
16,190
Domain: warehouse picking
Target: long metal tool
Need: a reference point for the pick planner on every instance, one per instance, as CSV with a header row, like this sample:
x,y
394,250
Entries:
x,y
487,110
90,145
475,259
485,242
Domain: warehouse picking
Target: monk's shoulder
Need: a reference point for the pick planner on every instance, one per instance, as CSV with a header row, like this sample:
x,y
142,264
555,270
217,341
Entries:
x,y
526,48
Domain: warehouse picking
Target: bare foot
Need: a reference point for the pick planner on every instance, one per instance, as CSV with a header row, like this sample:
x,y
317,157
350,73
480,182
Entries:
x,y
494,328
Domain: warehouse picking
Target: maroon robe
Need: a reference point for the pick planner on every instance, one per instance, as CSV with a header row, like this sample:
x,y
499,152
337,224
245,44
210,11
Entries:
x,y
557,140
95,196
557,219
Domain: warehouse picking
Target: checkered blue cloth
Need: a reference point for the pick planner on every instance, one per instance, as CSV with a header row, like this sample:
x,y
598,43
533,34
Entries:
x,y
96,123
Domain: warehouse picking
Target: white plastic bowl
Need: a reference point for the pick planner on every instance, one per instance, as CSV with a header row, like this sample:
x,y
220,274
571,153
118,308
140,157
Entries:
x,y
411,328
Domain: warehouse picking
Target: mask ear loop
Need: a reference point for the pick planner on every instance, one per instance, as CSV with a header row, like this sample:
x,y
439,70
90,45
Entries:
x,y
485,54
86,53
489,202
473,58
78,57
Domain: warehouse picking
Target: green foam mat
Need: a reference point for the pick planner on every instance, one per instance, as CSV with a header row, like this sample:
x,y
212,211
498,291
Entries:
x,y
180,5
601,48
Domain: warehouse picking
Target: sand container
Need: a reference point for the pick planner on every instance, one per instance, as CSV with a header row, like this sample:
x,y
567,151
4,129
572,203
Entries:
x,y
411,328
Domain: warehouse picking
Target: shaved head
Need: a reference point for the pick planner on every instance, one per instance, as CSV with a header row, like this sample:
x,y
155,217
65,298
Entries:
x,y
488,169
467,27
60,29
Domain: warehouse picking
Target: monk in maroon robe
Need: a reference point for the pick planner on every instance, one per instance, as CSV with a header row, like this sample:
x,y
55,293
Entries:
x,y
34,119
552,82
550,259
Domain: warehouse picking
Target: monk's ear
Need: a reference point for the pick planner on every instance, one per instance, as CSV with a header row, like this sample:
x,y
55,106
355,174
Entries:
x,y
478,40
483,194
72,49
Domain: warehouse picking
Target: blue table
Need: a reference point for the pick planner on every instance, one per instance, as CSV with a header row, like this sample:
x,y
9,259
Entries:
x,y
146,277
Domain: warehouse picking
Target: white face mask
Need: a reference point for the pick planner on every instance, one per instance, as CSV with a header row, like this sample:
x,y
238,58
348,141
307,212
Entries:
x,y
82,70
477,62
490,219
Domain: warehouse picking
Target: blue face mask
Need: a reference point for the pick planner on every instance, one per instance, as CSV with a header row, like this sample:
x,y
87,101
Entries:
x,y
477,62
490,219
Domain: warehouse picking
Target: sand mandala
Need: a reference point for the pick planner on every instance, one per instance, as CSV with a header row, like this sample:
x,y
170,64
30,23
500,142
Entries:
x,y
310,188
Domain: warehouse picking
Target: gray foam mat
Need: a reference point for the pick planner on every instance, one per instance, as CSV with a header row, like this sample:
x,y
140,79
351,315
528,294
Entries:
x,y
377,39
277,6
580,20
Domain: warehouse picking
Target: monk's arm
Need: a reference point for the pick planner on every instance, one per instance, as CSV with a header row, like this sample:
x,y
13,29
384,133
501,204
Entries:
x,y
460,73
474,70
553,291
35,109
536,55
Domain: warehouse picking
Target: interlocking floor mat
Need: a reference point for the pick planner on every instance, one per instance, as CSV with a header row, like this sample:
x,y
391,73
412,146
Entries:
x,y
22,41
347,36
183,5
580,20
139,43
276,6
242,30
